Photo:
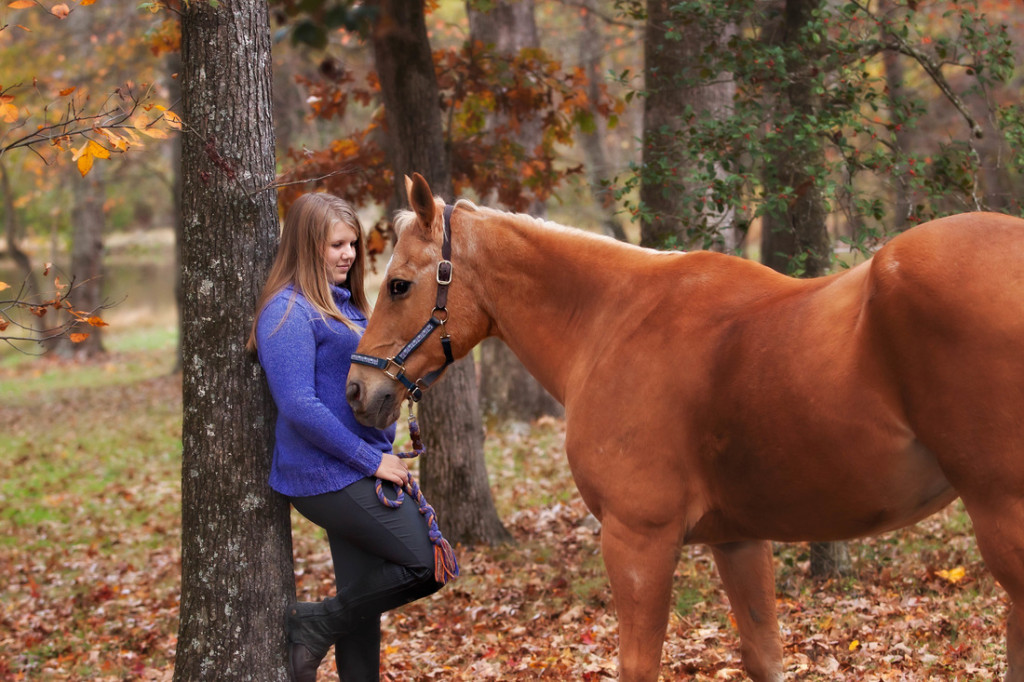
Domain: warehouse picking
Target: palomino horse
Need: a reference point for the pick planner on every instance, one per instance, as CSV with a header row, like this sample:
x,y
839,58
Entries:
x,y
711,400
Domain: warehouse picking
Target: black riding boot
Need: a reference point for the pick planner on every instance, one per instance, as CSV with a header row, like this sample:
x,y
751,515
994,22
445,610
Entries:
x,y
312,627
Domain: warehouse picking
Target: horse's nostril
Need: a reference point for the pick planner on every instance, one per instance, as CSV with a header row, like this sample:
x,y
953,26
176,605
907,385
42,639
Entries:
x,y
353,391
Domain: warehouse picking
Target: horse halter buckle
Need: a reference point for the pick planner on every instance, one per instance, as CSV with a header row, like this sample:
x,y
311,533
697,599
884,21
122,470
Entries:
x,y
394,366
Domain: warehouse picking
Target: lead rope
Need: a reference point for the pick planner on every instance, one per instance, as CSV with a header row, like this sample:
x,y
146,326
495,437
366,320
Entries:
x,y
446,567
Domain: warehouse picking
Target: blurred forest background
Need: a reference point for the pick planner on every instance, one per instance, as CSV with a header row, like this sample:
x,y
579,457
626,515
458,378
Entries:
x,y
545,111
798,133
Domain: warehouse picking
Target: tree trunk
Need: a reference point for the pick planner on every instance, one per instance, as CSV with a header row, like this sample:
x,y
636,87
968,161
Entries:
x,y
87,223
12,230
830,560
449,411
507,390
895,76
236,556
672,82
794,235
599,170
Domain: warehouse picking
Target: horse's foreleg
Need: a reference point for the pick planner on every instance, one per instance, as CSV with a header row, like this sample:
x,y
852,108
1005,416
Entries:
x,y
748,574
640,566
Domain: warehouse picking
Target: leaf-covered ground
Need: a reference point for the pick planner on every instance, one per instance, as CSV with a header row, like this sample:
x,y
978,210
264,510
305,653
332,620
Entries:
x,y
89,556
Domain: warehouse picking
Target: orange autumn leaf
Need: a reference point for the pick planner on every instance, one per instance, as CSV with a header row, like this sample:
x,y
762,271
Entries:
x,y
3,324
67,91
86,3
84,163
8,111
4,285
21,4
97,322
87,153
77,337
171,118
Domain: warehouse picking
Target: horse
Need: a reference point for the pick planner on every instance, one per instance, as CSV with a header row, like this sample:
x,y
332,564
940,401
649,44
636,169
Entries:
x,y
709,399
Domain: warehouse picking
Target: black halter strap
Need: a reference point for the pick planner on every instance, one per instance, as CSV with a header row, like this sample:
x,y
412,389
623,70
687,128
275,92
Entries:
x,y
394,366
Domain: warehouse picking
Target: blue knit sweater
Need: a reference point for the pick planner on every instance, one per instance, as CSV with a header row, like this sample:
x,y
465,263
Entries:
x,y
319,446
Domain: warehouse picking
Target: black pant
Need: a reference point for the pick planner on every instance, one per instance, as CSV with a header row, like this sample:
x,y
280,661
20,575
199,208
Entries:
x,y
383,558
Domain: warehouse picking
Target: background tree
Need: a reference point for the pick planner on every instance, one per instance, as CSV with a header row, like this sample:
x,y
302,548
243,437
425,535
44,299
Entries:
x,y
678,87
88,221
593,139
823,96
65,125
453,474
236,551
503,30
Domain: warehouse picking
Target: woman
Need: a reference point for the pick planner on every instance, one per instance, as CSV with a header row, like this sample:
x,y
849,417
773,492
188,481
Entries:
x,y
309,319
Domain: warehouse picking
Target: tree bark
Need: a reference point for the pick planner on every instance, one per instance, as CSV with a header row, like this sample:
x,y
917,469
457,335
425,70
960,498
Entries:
x,y
673,82
794,237
236,546
12,230
87,226
453,474
507,390
599,169
895,77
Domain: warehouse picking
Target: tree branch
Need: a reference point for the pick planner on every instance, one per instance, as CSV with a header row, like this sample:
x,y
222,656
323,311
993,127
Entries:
x,y
896,43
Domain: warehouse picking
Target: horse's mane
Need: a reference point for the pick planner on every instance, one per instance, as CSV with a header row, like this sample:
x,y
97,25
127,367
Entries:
x,y
406,217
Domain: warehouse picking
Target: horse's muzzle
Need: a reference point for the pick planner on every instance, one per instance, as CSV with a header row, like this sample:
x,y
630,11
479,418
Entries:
x,y
373,405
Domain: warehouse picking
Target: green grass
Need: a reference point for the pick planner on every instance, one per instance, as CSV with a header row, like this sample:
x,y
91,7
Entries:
x,y
135,355
89,509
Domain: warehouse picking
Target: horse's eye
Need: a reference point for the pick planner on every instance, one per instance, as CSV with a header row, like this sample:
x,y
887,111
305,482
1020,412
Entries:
x,y
398,288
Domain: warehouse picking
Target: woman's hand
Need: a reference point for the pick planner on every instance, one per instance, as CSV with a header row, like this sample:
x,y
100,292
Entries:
x,y
392,469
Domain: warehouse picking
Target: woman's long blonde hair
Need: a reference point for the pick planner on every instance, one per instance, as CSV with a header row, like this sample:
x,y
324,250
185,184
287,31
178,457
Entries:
x,y
300,258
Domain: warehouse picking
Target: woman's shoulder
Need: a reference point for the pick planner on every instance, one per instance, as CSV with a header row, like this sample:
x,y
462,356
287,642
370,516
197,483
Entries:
x,y
286,302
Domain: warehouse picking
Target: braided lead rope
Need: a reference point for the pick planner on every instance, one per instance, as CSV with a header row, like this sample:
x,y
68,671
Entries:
x,y
446,567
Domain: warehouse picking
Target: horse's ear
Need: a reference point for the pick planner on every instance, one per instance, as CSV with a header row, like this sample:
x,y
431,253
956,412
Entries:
x,y
420,199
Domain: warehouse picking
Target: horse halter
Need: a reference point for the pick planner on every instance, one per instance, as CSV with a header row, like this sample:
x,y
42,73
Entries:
x,y
394,366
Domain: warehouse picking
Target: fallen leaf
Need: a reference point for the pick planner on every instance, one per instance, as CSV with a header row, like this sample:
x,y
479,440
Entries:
x,y
953,576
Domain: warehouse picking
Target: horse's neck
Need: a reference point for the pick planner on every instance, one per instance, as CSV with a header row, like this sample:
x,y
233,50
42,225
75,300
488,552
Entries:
x,y
548,291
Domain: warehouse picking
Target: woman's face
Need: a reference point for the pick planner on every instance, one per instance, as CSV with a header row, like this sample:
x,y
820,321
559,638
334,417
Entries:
x,y
340,252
